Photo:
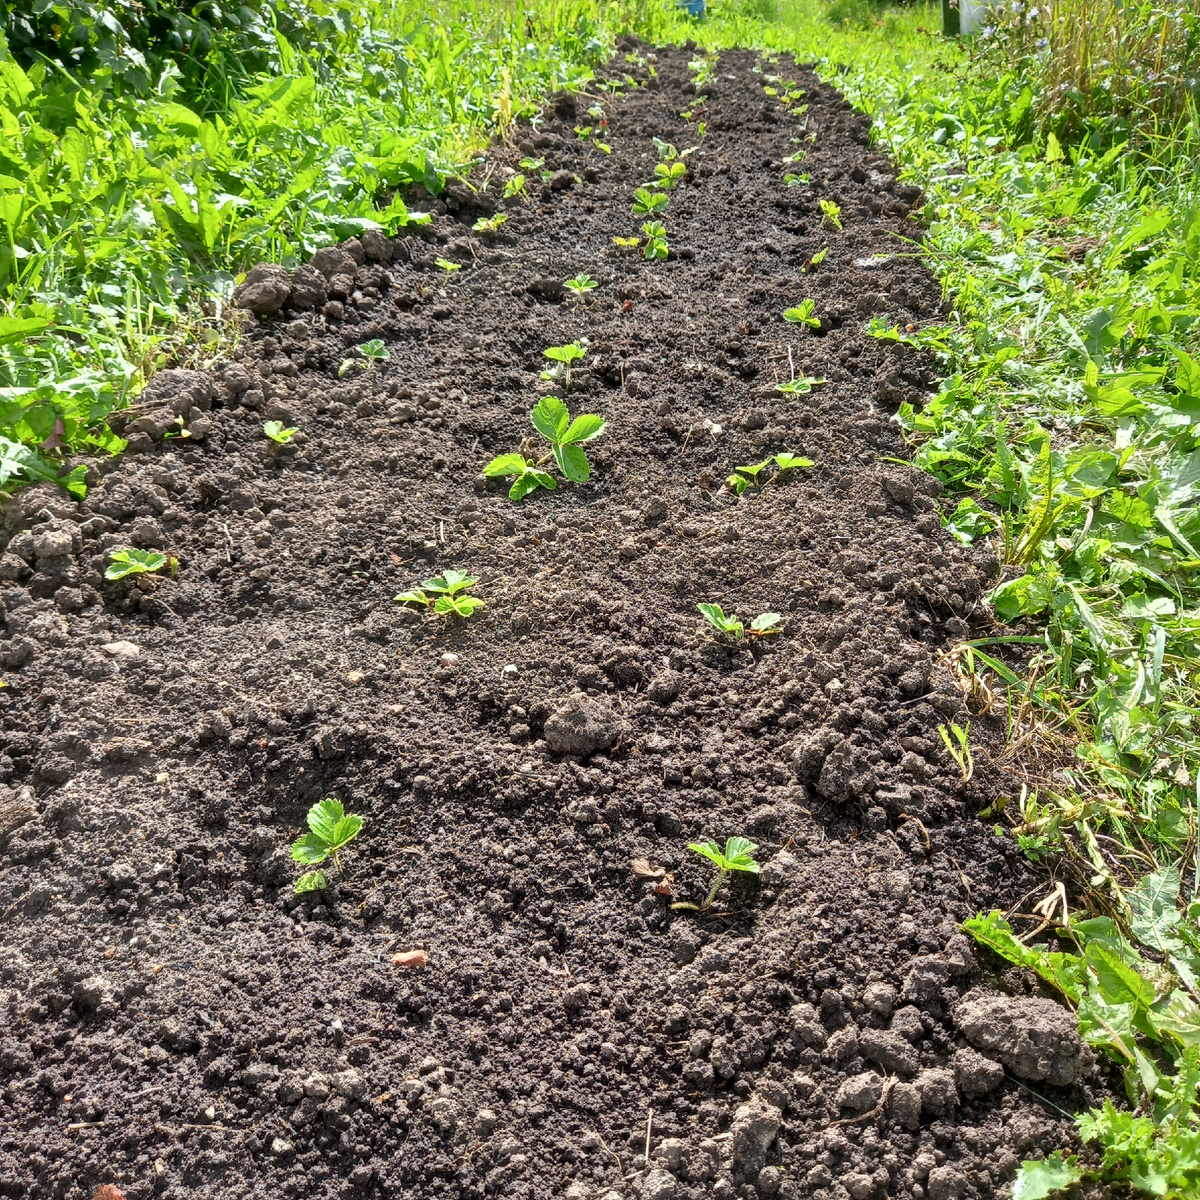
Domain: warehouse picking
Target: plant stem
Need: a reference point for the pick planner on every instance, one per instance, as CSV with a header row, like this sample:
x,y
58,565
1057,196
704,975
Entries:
x,y
721,873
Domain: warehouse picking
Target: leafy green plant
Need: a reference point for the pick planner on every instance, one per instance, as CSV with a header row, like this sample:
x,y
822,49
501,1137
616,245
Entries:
x,y
803,314
667,175
646,202
278,434
490,224
738,855
959,748
447,265
446,594
580,286
331,829
656,240
566,437
791,179
831,214
128,562
764,625
374,351
564,356
816,260
743,477
1141,1012
802,385
516,187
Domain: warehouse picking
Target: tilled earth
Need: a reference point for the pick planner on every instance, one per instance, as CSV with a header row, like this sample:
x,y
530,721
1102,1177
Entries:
x,y
179,1023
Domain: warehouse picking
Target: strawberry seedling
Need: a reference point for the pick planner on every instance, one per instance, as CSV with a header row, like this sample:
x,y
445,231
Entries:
x,y
445,594
816,260
656,240
580,285
802,314
566,437
331,829
763,625
564,356
667,175
793,180
801,386
646,202
448,266
278,434
738,855
831,214
515,187
129,562
373,351
743,477
490,224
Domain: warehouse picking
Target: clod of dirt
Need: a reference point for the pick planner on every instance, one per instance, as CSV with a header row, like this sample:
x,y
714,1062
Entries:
x,y
264,291
755,1127
1034,1037
16,809
657,1185
889,1050
975,1074
939,1095
860,1093
584,725
108,1191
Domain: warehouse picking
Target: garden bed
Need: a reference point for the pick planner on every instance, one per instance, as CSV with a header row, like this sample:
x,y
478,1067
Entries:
x,y
180,1023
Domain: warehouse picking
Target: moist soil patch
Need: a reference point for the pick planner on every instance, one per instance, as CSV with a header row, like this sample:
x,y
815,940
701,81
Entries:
x,y
179,1023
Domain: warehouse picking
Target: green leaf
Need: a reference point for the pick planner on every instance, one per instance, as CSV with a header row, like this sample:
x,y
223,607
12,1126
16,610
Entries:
x,y
710,850
585,427
450,581
505,464
791,462
310,849
462,606
134,562
802,314
17,329
346,830
1040,1178
765,623
565,354
715,616
738,852
417,597
524,484
573,463
323,818
1063,971
314,881
550,418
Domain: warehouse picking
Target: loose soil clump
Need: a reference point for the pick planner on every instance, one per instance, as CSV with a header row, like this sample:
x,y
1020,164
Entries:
x,y
489,1000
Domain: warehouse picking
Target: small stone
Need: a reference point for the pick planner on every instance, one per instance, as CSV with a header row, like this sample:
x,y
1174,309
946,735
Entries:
x,y
410,958
281,1148
124,650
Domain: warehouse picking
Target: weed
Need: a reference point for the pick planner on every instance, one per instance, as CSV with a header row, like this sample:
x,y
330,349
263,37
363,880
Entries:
x,y
955,739
445,594
743,477
831,214
331,829
738,855
564,356
580,286
490,224
129,562
802,314
764,625
647,202
276,432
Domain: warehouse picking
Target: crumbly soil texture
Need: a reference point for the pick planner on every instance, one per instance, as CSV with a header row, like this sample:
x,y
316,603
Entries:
x,y
179,1023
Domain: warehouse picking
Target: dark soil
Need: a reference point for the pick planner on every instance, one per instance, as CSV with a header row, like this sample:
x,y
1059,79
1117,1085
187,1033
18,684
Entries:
x,y
179,1023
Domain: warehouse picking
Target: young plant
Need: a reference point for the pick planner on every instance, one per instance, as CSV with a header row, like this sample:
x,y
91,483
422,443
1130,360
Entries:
x,y
630,243
743,477
764,625
536,164
331,829
738,855
667,175
959,748
800,386
446,594
276,432
129,562
656,240
448,266
580,285
373,351
802,314
816,260
831,214
566,437
564,356
490,224
515,187
791,179
646,202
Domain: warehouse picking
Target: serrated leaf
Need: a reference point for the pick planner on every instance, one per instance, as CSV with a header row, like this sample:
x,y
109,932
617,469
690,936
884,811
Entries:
x,y
738,851
714,614
585,427
573,463
323,817
450,581
505,464
764,622
346,830
524,484
310,849
1038,1179
412,598
550,418
791,462
710,850
462,606
314,881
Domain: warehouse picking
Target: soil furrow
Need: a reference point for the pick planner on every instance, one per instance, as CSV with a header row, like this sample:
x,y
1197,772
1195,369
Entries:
x,y
181,1024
